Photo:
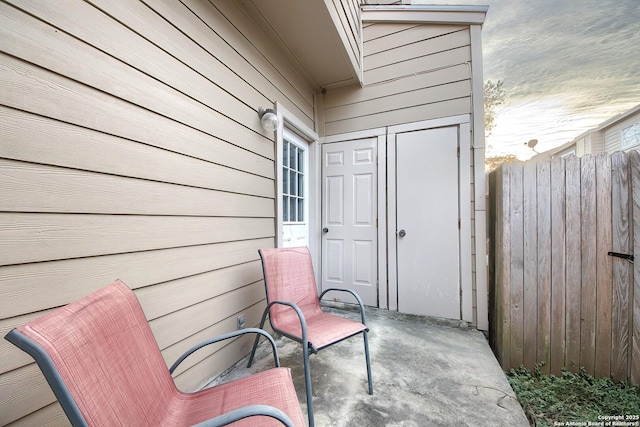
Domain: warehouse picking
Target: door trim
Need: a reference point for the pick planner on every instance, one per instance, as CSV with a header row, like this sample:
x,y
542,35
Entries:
x,y
464,203
288,119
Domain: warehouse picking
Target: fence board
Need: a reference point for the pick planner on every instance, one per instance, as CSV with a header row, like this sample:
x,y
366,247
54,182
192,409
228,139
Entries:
x,y
559,297
621,268
634,161
543,206
556,360
573,263
530,267
517,265
604,278
588,253
502,296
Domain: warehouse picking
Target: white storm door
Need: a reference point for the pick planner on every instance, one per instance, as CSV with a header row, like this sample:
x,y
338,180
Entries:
x,y
295,190
349,219
427,234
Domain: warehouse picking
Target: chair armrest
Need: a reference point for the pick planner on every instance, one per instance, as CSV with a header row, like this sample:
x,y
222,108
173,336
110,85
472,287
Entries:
x,y
247,411
226,337
294,306
355,295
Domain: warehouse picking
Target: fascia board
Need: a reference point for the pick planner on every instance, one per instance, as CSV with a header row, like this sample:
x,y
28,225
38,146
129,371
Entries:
x,y
426,14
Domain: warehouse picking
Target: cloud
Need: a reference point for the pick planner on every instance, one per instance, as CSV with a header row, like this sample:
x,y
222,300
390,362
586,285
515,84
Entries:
x,y
567,66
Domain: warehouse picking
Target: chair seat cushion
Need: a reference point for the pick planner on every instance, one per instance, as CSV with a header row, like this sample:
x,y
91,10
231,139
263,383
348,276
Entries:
x,y
273,387
323,329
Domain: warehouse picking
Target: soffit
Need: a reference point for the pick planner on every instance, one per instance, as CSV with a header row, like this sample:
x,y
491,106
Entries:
x,y
307,34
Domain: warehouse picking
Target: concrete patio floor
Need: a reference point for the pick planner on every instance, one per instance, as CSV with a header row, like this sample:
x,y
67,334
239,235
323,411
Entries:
x,y
426,372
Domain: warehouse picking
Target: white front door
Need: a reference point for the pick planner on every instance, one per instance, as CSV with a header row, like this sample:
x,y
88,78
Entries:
x,y
349,218
427,212
295,190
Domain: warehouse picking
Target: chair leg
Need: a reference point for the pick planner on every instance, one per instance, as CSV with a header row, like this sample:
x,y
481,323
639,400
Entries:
x,y
255,343
366,354
307,381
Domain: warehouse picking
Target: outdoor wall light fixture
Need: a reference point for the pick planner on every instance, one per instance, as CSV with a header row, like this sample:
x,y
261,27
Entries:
x,y
268,119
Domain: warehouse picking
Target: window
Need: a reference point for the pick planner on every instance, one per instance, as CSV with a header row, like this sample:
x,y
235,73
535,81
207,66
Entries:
x,y
293,182
630,136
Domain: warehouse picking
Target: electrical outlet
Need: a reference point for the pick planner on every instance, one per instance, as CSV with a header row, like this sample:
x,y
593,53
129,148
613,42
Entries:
x,y
241,321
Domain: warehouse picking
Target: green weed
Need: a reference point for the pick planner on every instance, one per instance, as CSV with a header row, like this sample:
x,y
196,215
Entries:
x,y
547,399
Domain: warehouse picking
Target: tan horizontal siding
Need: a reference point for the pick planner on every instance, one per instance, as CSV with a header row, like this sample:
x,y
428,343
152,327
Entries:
x,y
248,41
253,314
414,38
411,73
22,391
414,98
34,237
49,416
29,187
374,31
70,57
353,95
183,157
131,148
447,108
24,286
408,67
348,24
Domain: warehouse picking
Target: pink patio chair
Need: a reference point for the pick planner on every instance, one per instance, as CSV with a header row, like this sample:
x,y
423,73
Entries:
x,y
294,309
102,362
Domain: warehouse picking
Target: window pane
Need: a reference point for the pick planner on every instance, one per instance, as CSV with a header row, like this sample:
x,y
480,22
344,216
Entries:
x,y
300,210
285,153
301,160
292,209
300,185
292,156
285,208
293,190
285,181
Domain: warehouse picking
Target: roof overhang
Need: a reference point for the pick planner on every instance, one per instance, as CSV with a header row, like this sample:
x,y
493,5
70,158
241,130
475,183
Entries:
x,y
428,14
307,32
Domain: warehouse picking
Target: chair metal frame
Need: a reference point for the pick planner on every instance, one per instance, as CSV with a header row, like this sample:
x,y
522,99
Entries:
x,y
71,410
308,347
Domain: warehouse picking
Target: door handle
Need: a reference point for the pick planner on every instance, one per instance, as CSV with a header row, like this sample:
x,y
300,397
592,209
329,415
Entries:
x,y
325,230
402,233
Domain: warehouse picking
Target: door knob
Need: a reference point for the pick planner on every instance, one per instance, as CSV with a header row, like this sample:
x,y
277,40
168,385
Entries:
x,y
402,233
325,230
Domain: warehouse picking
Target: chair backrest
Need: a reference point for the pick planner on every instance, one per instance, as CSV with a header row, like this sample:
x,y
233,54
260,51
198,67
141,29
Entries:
x,y
288,276
105,353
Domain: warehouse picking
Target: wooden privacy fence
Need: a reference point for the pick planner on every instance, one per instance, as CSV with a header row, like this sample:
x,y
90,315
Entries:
x,y
557,295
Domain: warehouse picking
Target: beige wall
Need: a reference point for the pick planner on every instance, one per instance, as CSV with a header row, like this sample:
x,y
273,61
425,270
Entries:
x,y
612,134
412,72
130,148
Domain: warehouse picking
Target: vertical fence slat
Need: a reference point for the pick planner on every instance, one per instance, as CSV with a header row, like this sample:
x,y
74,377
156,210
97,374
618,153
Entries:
x,y
634,161
516,264
556,362
621,268
530,267
588,280
558,296
604,262
503,257
573,263
543,205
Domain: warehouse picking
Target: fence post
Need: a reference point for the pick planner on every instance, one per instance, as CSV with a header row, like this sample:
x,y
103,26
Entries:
x,y
634,161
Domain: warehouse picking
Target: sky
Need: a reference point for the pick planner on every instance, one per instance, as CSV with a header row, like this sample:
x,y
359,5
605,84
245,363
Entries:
x,y
567,66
